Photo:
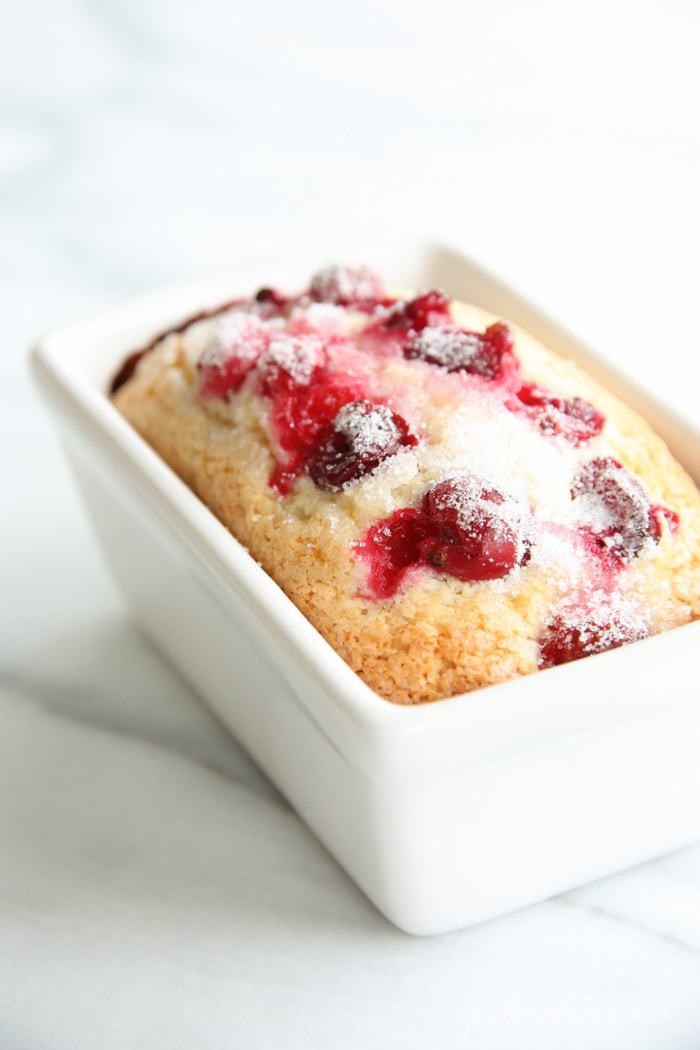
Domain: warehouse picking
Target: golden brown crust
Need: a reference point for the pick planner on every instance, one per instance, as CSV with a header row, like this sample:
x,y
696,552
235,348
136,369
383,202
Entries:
x,y
441,636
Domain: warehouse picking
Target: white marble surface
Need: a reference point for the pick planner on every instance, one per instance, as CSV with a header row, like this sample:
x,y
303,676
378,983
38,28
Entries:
x,y
155,891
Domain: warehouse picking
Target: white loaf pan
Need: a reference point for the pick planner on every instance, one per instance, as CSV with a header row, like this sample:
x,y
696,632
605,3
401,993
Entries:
x,y
447,813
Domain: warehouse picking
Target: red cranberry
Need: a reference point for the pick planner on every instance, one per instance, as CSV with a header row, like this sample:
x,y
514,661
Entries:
x,y
500,335
620,511
391,549
583,629
660,515
302,415
571,418
354,286
232,351
364,434
479,533
458,350
290,360
462,528
431,308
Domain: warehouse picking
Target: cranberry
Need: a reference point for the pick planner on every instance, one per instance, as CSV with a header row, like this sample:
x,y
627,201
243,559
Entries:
x,y
232,351
354,286
302,416
571,418
391,548
431,308
462,528
583,629
485,354
660,515
290,360
479,534
622,519
364,434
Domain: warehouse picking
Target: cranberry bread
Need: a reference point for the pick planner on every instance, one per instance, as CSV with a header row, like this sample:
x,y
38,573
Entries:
x,y
448,502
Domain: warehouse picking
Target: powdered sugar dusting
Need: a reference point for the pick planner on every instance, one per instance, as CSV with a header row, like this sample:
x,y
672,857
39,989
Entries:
x,y
323,319
468,501
530,501
238,334
608,614
346,285
369,428
560,556
611,501
297,356
451,348
586,624
479,436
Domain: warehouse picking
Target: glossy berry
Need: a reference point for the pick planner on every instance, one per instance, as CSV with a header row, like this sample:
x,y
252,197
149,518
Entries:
x,y
587,629
302,417
478,533
484,354
391,550
571,418
363,435
462,528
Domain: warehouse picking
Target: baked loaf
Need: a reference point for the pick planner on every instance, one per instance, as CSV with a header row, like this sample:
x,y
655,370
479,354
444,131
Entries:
x,y
448,502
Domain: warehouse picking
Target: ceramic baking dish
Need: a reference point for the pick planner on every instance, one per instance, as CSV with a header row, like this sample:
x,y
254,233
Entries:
x,y
447,813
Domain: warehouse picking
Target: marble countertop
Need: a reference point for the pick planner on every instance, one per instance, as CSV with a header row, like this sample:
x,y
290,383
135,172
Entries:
x,y
155,890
